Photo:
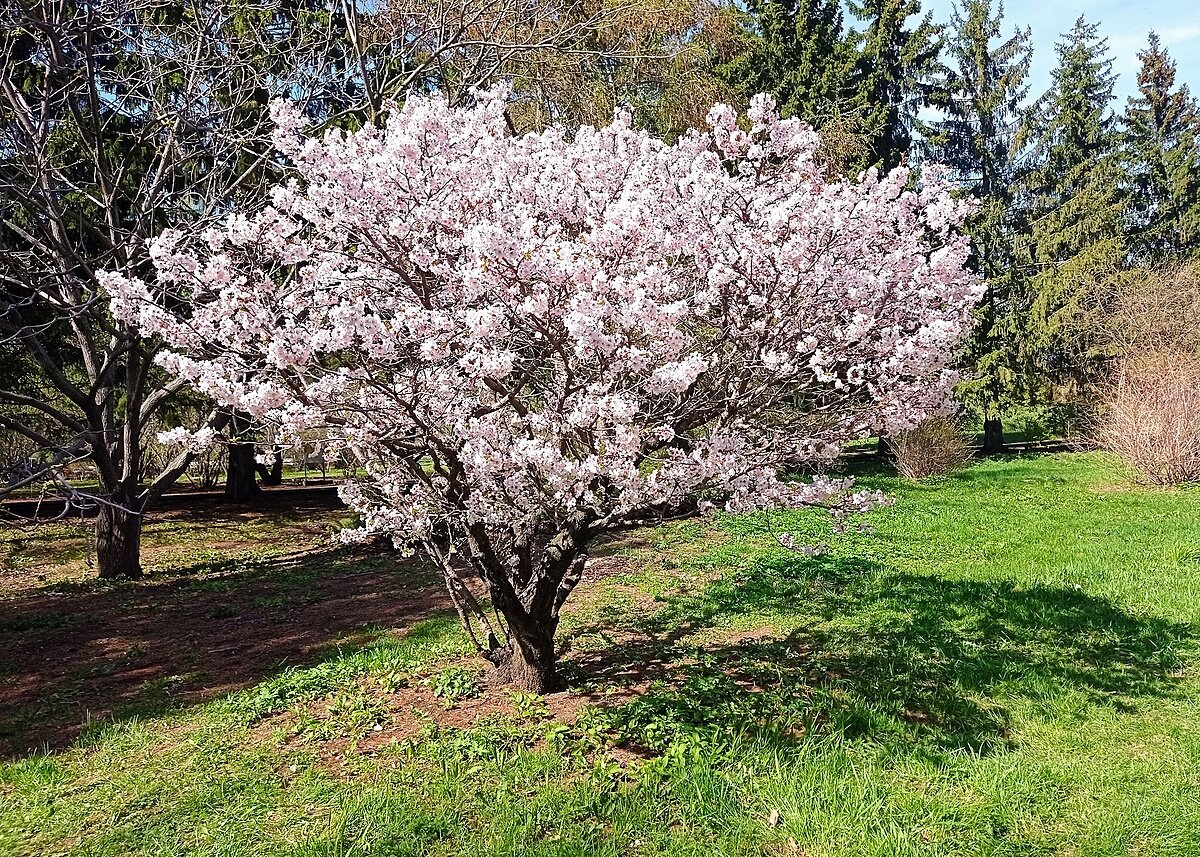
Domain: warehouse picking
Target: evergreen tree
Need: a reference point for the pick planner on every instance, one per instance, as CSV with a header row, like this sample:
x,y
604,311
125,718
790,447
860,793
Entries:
x,y
798,51
798,54
987,84
1072,247
896,72
1162,151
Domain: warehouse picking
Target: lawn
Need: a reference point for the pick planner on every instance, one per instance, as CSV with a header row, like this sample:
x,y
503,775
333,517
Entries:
x,y
1008,665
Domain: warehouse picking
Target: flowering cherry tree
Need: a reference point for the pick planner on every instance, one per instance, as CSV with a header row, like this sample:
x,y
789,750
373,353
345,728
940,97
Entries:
x,y
529,341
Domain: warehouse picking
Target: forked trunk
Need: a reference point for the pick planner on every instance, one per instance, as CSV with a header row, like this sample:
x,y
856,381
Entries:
x,y
993,435
119,540
527,588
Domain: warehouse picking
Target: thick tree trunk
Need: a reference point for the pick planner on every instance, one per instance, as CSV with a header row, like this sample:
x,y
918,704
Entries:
x,y
993,435
527,586
240,484
529,662
119,540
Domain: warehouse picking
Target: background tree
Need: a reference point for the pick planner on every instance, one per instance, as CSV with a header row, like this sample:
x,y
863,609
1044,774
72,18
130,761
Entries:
x,y
116,122
987,86
1162,159
1071,243
896,73
657,59
798,51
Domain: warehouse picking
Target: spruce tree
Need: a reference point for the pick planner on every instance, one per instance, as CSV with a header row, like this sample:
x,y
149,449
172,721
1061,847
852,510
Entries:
x,y
896,73
798,51
987,85
798,54
1162,161
1072,246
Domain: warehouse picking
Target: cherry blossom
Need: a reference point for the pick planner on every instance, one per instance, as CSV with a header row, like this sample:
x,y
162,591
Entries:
x,y
528,341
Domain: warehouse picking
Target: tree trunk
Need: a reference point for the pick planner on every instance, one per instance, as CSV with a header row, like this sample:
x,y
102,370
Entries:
x,y
119,539
274,476
239,476
529,663
993,435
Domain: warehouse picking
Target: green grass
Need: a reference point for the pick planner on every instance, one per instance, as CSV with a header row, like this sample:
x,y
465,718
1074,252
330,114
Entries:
x,y
1009,665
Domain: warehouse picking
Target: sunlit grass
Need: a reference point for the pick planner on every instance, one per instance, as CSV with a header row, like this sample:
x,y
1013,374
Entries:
x,y
1007,666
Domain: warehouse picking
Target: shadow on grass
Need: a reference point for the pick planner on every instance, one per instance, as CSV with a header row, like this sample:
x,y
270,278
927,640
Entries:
x,y
849,648
140,649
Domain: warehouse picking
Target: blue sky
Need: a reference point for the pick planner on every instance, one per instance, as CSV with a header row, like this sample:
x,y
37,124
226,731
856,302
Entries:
x,y
1125,23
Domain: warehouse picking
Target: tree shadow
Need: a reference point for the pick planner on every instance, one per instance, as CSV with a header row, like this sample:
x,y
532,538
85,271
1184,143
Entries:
x,y
72,657
850,648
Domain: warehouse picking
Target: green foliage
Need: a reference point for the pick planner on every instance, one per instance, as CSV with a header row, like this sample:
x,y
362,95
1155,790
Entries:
x,y
799,51
1162,161
349,712
896,73
1071,244
454,684
529,706
987,85
798,54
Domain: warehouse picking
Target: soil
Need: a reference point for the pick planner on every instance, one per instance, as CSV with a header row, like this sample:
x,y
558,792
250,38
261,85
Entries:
x,y
71,657
76,653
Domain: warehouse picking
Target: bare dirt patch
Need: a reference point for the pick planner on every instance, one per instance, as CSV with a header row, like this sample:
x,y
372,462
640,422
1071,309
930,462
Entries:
x,y
71,657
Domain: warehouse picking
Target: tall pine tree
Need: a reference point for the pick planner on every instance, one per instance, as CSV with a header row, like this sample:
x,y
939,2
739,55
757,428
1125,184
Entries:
x,y
987,85
1072,245
1162,159
896,73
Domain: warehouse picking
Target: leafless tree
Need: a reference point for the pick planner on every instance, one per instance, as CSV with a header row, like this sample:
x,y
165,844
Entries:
x,y
118,119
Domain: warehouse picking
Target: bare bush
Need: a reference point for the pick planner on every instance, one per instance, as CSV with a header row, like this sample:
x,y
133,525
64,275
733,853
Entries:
x,y
935,447
1150,416
1154,312
1147,412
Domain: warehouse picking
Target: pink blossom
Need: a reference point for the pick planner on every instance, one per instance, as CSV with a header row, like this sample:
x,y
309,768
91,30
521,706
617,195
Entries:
x,y
518,332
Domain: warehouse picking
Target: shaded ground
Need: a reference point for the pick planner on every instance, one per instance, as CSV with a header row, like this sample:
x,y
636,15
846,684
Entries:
x,y
183,498
198,536
137,649
77,651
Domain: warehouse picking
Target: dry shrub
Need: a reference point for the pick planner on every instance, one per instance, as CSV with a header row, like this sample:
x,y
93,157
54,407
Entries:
x,y
1150,416
935,447
1153,311
1148,411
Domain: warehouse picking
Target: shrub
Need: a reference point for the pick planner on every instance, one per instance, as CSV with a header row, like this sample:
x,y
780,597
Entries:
x,y
1150,416
935,447
1155,311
